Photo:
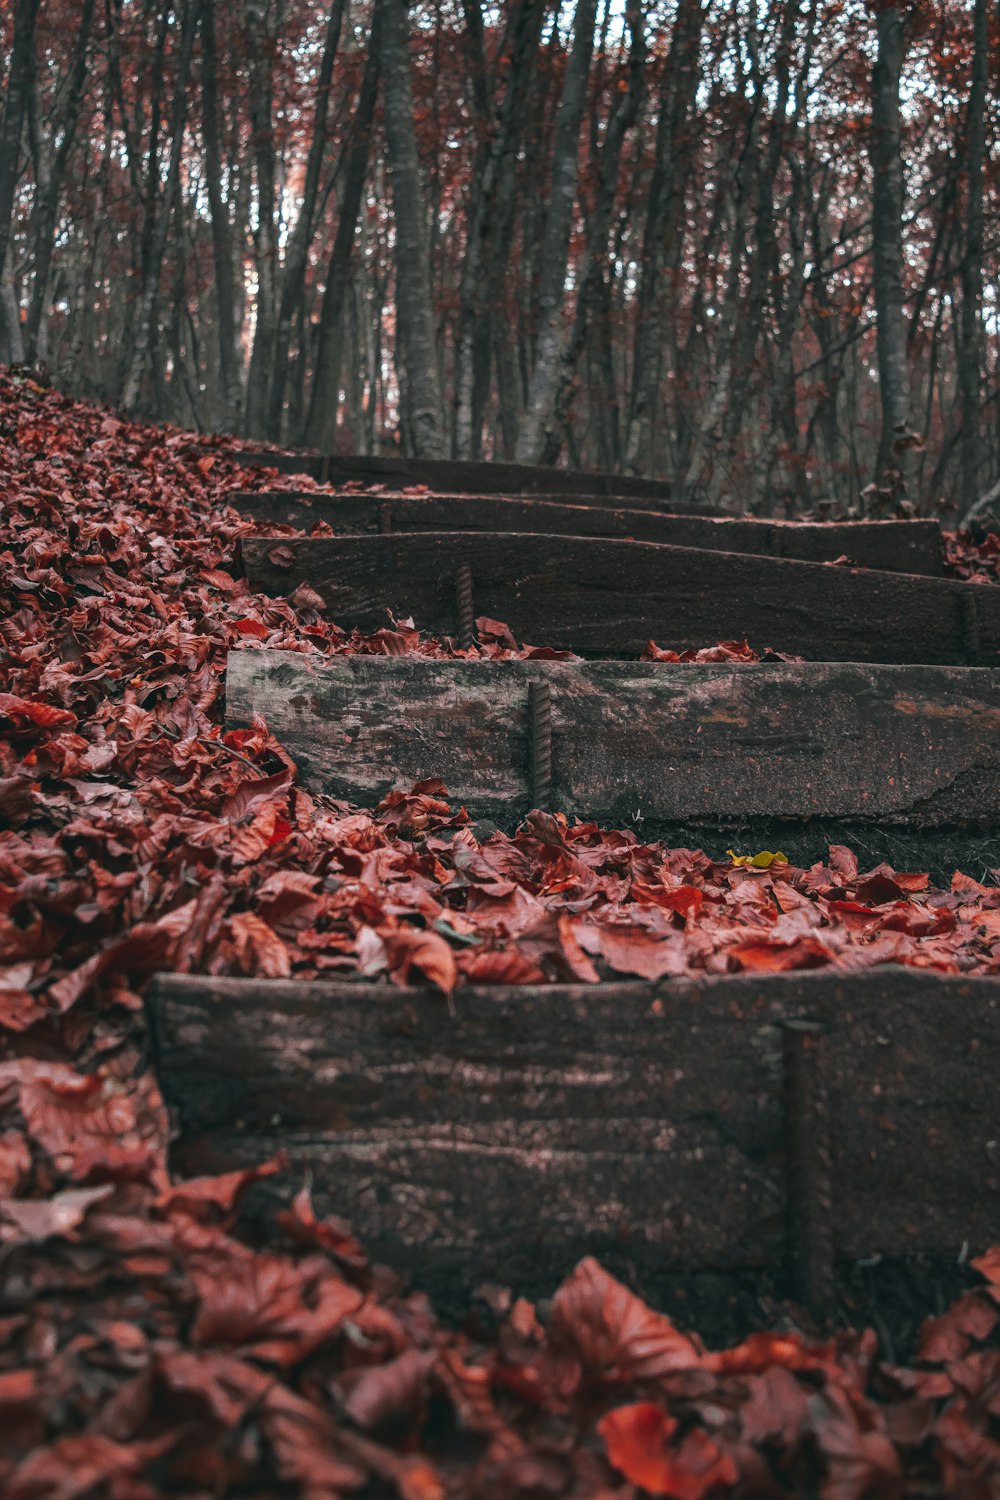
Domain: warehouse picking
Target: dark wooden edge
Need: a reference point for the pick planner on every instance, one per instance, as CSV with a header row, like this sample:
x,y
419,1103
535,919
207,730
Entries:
x,y
452,474
894,1106
911,546
822,612
389,494
818,981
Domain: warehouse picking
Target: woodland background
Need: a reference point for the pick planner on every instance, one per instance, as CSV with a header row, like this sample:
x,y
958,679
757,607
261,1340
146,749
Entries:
x,y
748,245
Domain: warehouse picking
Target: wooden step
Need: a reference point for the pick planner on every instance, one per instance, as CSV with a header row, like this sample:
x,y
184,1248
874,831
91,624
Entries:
x,y
450,477
703,746
373,499
607,597
778,1123
896,546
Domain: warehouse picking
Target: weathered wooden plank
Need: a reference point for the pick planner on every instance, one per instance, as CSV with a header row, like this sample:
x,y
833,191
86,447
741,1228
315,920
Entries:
x,y
281,504
896,546
692,744
452,477
510,1132
607,597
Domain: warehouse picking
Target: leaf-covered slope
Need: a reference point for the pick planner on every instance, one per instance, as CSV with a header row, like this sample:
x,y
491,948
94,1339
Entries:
x,y
146,1350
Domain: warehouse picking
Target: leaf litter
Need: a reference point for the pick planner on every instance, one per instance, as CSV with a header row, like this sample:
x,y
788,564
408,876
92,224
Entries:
x,y
145,1349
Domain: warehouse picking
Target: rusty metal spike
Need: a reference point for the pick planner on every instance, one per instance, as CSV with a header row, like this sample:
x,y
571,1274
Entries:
x,y
540,730
464,610
385,519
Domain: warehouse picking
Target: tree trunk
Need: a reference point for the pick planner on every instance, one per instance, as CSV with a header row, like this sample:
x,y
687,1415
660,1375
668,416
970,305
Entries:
x,y
887,240
264,19
592,290
421,408
972,265
49,173
494,162
750,326
550,336
670,169
19,81
297,254
230,357
321,423
11,341
151,272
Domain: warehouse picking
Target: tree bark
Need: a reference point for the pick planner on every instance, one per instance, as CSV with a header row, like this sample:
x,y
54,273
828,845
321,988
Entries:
x,y
887,239
297,254
264,19
969,356
50,170
421,407
540,405
154,261
19,81
222,237
494,164
670,169
321,422
623,117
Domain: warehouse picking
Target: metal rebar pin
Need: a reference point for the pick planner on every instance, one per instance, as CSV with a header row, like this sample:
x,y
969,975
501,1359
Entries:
x,y
463,602
540,731
385,519
808,1175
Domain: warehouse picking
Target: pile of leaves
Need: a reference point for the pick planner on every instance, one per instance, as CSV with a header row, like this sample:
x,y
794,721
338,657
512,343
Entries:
x,y
145,1348
725,651
977,561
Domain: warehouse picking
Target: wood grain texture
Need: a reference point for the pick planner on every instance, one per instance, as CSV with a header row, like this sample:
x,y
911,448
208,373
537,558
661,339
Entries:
x,y
700,745
895,546
607,597
507,1134
451,477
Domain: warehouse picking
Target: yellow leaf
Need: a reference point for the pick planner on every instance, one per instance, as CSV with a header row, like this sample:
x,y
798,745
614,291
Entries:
x,y
762,861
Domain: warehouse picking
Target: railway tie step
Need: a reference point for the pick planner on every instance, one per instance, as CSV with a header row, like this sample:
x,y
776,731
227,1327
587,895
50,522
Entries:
x,y
778,1129
607,597
894,546
644,744
783,1126
453,477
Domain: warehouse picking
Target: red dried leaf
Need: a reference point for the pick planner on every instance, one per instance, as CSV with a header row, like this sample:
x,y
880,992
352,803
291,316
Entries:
x,y
330,1234
427,952
392,1395
259,949
247,626
612,1332
266,1306
250,794
776,958
25,711
37,1219
639,1443
199,1196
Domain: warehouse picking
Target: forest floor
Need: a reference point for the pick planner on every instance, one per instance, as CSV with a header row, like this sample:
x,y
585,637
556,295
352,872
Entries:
x,y
145,1348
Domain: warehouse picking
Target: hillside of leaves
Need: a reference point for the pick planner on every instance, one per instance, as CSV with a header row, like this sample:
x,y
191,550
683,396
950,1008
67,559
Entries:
x,y
145,1349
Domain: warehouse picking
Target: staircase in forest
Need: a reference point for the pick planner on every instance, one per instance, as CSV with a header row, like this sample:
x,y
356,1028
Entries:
x,y
778,1126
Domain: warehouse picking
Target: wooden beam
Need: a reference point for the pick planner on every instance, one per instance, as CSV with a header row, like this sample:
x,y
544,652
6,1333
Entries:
x,y
895,546
454,478
281,505
607,597
691,744
504,1134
